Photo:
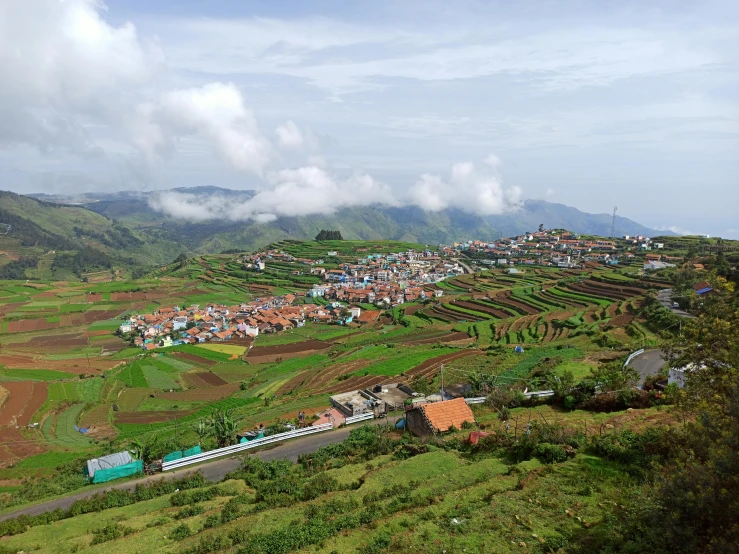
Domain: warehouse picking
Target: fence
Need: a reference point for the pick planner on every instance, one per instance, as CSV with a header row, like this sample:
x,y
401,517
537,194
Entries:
x,y
360,417
633,355
236,448
476,400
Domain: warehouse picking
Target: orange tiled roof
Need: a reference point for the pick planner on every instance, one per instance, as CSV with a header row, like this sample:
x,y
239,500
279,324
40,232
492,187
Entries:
x,y
443,415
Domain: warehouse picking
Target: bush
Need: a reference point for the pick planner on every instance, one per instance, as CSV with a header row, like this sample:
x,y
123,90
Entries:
x,y
212,520
319,485
189,511
550,453
180,532
110,532
103,501
184,498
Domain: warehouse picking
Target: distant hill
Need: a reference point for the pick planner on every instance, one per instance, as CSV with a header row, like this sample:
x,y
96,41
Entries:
x,y
163,237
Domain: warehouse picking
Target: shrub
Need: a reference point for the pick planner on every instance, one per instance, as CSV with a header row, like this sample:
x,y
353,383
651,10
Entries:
x,y
550,453
183,498
212,520
319,485
110,532
180,532
189,511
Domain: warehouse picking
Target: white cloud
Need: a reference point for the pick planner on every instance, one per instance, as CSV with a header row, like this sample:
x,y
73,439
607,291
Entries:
x,y
215,112
476,189
62,67
289,135
676,229
292,192
549,192
312,190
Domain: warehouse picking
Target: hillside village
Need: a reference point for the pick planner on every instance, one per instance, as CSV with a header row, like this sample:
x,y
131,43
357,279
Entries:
x,y
382,281
563,249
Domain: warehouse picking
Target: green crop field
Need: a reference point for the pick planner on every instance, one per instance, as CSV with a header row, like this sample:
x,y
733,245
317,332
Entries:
x,y
133,376
33,374
158,379
482,316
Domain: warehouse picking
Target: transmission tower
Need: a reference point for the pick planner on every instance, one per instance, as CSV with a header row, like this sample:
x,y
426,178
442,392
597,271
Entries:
x,y
613,223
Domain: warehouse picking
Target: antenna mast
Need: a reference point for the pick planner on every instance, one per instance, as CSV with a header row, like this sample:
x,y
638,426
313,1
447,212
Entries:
x,y
613,223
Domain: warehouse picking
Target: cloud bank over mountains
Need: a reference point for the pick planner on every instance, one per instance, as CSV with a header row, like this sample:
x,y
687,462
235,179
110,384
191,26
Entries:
x,y
312,190
321,105
69,70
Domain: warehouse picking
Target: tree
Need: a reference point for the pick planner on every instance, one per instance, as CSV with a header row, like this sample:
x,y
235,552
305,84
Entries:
x,y
541,227
721,264
202,430
700,499
180,261
223,427
328,235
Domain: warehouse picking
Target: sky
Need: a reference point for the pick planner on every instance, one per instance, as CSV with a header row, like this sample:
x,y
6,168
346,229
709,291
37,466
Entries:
x,y
325,104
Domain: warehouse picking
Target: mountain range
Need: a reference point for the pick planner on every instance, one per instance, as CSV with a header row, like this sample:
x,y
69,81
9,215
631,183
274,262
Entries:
x,y
124,223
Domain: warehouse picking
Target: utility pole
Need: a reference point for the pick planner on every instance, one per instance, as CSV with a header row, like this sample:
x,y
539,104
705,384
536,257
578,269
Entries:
x,y
613,223
442,382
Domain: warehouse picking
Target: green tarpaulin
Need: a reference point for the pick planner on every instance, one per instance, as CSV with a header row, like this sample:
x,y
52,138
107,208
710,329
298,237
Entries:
x,y
177,454
104,475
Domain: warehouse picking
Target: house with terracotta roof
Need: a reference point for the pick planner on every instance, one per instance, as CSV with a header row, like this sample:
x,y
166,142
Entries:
x,y
438,417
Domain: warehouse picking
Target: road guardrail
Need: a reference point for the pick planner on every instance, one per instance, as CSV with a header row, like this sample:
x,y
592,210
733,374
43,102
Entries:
x,y
633,355
476,400
357,418
236,448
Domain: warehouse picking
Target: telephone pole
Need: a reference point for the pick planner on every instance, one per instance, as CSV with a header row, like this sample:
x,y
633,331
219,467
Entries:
x,y
613,223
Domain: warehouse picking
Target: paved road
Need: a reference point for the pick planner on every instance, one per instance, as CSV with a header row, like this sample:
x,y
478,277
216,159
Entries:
x,y
648,363
466,268
213,471
666,300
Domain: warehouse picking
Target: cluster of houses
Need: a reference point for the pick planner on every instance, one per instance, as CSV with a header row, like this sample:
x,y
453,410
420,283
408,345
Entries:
x,y
216,323
556,248
403,268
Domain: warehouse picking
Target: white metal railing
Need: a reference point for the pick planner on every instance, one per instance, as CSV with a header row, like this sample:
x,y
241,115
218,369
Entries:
x,y
236,448
539,394
476,400
633,355
361,417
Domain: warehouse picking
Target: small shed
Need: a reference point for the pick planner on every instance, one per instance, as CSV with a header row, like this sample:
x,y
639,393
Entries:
x,y
438,417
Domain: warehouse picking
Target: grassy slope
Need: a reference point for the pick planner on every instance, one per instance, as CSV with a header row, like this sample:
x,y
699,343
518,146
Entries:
x,y
475,505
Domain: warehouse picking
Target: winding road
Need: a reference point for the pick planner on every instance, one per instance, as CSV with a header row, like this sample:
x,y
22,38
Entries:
x,y
652,361
213,471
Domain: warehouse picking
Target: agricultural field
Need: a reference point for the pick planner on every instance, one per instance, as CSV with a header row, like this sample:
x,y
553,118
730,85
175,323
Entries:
x,y
363,496
61,367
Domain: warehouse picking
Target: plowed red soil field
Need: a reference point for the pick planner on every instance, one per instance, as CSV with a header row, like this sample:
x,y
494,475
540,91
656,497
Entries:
x,y
293,383
303,346
505,299
195,359
431,367
38,397
14,446
40,324
326,376
19,394
211,379
72,365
